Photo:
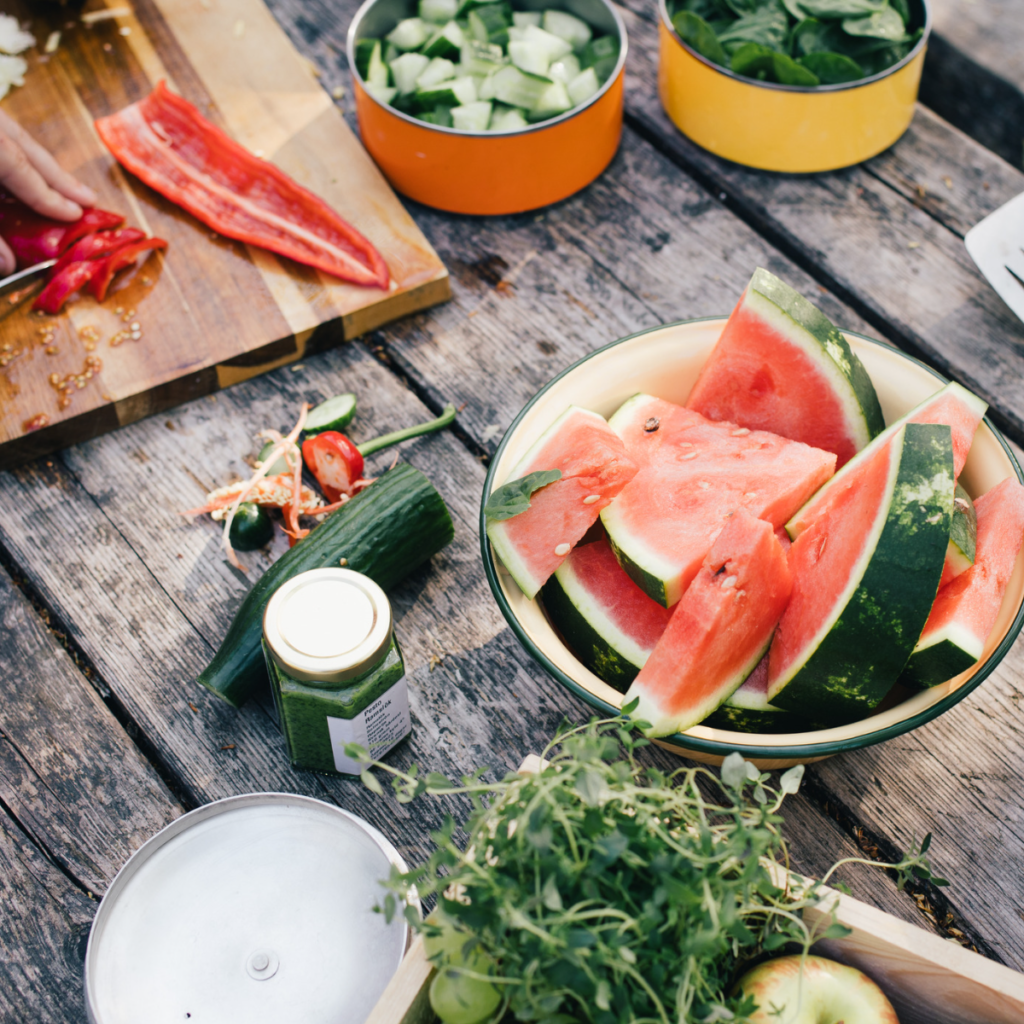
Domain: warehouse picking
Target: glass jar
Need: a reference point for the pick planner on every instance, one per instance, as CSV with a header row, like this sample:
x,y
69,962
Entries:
x,y
336,670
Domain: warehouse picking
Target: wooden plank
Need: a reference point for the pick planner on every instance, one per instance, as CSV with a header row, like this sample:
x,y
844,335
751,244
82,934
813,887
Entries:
x,y
69,773
209,300
43,932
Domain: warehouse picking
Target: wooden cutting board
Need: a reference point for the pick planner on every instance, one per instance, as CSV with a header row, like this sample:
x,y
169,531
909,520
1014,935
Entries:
x,y
211,312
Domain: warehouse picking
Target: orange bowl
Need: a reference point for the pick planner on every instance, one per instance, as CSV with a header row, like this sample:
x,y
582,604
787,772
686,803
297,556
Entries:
x,y
490,172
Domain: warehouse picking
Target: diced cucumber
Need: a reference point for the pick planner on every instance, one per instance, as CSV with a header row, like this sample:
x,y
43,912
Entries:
x,y
485,88
583,86
507,119
280,464
474,5
364,48
409,34
406,69
601,54
391,52
481,58
516,35
517,88
381,93
440,115
438,70
523,18
555,47
565,70
472,117
438,11
529,57
489,24
456,93
334,414
573,30
446,42
552,101
377,70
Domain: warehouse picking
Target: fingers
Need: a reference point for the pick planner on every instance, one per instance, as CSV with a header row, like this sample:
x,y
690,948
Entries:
x,y
53,176
6,259
20,178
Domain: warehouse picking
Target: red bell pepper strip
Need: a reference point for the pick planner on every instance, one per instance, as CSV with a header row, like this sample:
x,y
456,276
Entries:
x,y
98,243
118,260
34,238
52,298
167,143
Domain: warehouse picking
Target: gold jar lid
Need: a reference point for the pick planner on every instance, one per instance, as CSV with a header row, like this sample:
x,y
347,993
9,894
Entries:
x,y
327,625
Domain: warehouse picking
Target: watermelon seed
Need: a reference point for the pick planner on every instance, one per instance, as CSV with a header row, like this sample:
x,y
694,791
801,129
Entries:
x,y
652,424
562,549
703,484
742,432
690,455
729,581
591,498
685,444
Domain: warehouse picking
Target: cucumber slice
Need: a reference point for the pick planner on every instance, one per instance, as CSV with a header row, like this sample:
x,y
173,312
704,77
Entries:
x,y
485,88
556,48
251,528
481,58
565,70
440,115
489,25
517,34
438,70
552,101
446,42
381,93
523,18
517,88
377,70
583,86
364,48
573,30
472,117
334,414
409,34
456,93
438,11
529,57
280,465
507,119
406,69
391,52
601,54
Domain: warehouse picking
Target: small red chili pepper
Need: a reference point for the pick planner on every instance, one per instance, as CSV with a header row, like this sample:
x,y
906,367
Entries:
x,y
335,462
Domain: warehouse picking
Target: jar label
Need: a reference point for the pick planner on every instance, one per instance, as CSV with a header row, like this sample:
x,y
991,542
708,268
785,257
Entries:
x,y
378,727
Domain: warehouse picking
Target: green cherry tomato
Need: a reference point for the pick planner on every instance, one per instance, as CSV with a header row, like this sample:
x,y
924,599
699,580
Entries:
x,y
457,999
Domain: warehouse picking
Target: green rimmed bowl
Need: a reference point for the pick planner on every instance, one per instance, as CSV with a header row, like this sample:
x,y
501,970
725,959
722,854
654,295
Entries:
x,y
665,361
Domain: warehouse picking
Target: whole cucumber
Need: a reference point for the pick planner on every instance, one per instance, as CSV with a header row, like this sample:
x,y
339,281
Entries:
x,y
384,532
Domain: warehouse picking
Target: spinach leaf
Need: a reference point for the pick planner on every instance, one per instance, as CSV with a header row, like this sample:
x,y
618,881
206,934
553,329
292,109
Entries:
x,y
884,24
832,68
741,7
902,8
513,498
768,27
842,8
709,10
695,31
795,10
755,61
813,36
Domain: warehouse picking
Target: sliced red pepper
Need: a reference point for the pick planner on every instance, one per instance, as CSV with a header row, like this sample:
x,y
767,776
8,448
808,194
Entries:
x,y
335,462
167,143
52,298
97,243
34,238
108,266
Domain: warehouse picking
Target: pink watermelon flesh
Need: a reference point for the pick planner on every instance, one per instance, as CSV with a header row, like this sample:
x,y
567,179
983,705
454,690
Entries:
x,y
719,630
753,692
694,474
953,405
967,608
760,377
595,468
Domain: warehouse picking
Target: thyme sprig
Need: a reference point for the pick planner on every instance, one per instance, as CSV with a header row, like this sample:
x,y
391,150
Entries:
x,y
604,891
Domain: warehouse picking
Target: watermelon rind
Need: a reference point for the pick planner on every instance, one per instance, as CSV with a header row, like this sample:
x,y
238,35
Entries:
x,y
769,720
597,641
949,652
804,516
856,656
803,324
963,536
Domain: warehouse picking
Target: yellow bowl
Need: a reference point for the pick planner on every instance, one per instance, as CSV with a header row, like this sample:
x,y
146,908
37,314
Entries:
x,y
490,172
786,127
665,361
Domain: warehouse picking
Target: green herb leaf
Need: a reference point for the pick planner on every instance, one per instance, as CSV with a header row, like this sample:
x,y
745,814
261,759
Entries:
x,y
837,931
695,31
513,498
789,781
369,780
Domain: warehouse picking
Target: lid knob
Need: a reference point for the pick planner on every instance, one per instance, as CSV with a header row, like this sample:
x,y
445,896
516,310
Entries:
x,y
262,964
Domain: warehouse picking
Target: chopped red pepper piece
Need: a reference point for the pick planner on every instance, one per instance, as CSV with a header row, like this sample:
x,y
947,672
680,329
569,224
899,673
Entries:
x,y
52,298
118,260
34,238
335,462
98,243
167,143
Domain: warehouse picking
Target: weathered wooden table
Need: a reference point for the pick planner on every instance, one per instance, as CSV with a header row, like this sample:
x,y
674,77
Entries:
x,y
111,603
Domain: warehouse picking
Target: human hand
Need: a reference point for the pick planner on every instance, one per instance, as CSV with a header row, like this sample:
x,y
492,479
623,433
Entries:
x,y
31,174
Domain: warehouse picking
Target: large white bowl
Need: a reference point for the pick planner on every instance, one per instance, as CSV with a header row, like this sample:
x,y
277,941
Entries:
x,y
665,362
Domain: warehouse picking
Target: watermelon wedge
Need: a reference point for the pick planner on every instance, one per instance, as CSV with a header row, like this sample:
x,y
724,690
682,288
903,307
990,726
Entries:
x,y
966,610
694,474
718,632
781,366
594,468
864,577
963,537
748,710
953,405
609,622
